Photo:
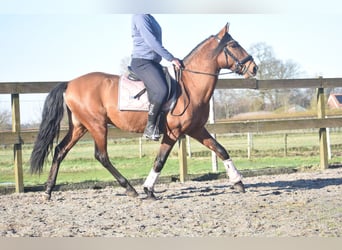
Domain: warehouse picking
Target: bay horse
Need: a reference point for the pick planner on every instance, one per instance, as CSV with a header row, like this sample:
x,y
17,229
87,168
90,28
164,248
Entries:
x,y
91,102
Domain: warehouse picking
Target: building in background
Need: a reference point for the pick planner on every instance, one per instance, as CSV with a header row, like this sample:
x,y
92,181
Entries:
x,y
335,101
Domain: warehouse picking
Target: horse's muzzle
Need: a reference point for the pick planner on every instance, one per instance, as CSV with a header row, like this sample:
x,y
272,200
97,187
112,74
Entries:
x,y
251,71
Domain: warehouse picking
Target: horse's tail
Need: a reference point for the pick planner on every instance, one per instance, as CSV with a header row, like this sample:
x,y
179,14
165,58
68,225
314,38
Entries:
x,y
53,112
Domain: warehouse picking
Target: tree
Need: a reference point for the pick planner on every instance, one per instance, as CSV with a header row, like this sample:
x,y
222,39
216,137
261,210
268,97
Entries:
x,y
232,102
272,68
5,120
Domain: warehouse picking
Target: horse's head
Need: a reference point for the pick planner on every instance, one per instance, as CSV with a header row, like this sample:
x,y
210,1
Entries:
x,y
232,56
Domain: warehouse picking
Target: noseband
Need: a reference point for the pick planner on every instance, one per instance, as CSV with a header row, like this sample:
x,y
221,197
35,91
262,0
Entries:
x,y
240,67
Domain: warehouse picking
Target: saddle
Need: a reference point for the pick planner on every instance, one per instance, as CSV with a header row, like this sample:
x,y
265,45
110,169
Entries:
x,y
131,75
133,96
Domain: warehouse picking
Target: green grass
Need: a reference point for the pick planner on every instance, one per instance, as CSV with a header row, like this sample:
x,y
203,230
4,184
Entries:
x,y
268,151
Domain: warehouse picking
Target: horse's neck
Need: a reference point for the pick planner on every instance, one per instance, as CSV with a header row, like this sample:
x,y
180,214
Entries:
x,y
202,87
201,84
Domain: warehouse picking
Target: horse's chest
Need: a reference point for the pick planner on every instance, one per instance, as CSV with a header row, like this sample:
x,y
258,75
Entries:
x,y
201,109
200,113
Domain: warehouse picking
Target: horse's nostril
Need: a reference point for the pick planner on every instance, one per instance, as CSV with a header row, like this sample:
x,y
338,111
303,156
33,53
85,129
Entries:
x,y
255,69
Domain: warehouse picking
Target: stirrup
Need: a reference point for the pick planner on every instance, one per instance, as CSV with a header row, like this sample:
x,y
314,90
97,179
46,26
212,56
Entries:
x,y
152,130
155,136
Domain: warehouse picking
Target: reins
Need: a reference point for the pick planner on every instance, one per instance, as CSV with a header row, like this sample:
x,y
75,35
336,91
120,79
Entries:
x,y
178,74
206,73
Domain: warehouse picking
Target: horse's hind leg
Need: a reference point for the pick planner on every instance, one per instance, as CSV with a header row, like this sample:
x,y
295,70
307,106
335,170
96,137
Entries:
x,y
203,136
61,150
101,155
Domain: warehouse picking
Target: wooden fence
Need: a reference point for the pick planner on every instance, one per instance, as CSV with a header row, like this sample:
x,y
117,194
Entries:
x,y
17,137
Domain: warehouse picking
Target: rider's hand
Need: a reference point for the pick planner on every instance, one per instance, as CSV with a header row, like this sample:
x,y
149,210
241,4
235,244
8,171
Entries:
x,y
178,63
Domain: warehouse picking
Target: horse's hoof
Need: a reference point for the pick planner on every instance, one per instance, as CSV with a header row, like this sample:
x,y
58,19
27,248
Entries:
x,y
131,192
46,197
239,187
150,194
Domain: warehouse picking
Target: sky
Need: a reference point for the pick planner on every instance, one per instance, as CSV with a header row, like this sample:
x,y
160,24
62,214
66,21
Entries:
x,y
55,43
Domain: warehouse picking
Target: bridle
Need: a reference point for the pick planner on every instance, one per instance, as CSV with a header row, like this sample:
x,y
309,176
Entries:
x,y
240,67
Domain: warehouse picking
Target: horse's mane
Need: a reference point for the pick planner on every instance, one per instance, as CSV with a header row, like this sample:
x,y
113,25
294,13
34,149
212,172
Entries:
x,y
196,48
224,40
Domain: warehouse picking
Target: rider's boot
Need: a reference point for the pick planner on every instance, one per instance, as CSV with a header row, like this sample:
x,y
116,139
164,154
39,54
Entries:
x,y
152,129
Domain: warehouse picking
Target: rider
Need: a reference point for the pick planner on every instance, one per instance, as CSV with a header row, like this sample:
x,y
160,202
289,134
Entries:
x,y
147,54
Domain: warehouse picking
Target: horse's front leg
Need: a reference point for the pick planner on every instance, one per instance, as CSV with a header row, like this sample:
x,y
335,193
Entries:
x,y
164,151
235,177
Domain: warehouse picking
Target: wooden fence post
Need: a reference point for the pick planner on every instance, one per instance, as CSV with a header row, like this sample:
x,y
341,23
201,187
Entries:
x,y
249,145
140,148
183,166
323,145
18,162
188,146
214,164
285,144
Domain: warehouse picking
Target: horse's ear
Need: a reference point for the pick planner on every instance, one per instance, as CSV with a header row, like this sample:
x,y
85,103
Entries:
x,y
224,30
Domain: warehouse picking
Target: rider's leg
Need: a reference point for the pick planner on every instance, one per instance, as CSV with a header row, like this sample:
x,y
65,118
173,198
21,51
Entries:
x,y
151,73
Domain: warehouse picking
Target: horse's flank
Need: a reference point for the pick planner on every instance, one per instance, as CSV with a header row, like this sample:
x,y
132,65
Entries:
x,y
100,102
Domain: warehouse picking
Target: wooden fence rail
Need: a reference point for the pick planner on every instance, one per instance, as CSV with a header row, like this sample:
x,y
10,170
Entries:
x,y
17,137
